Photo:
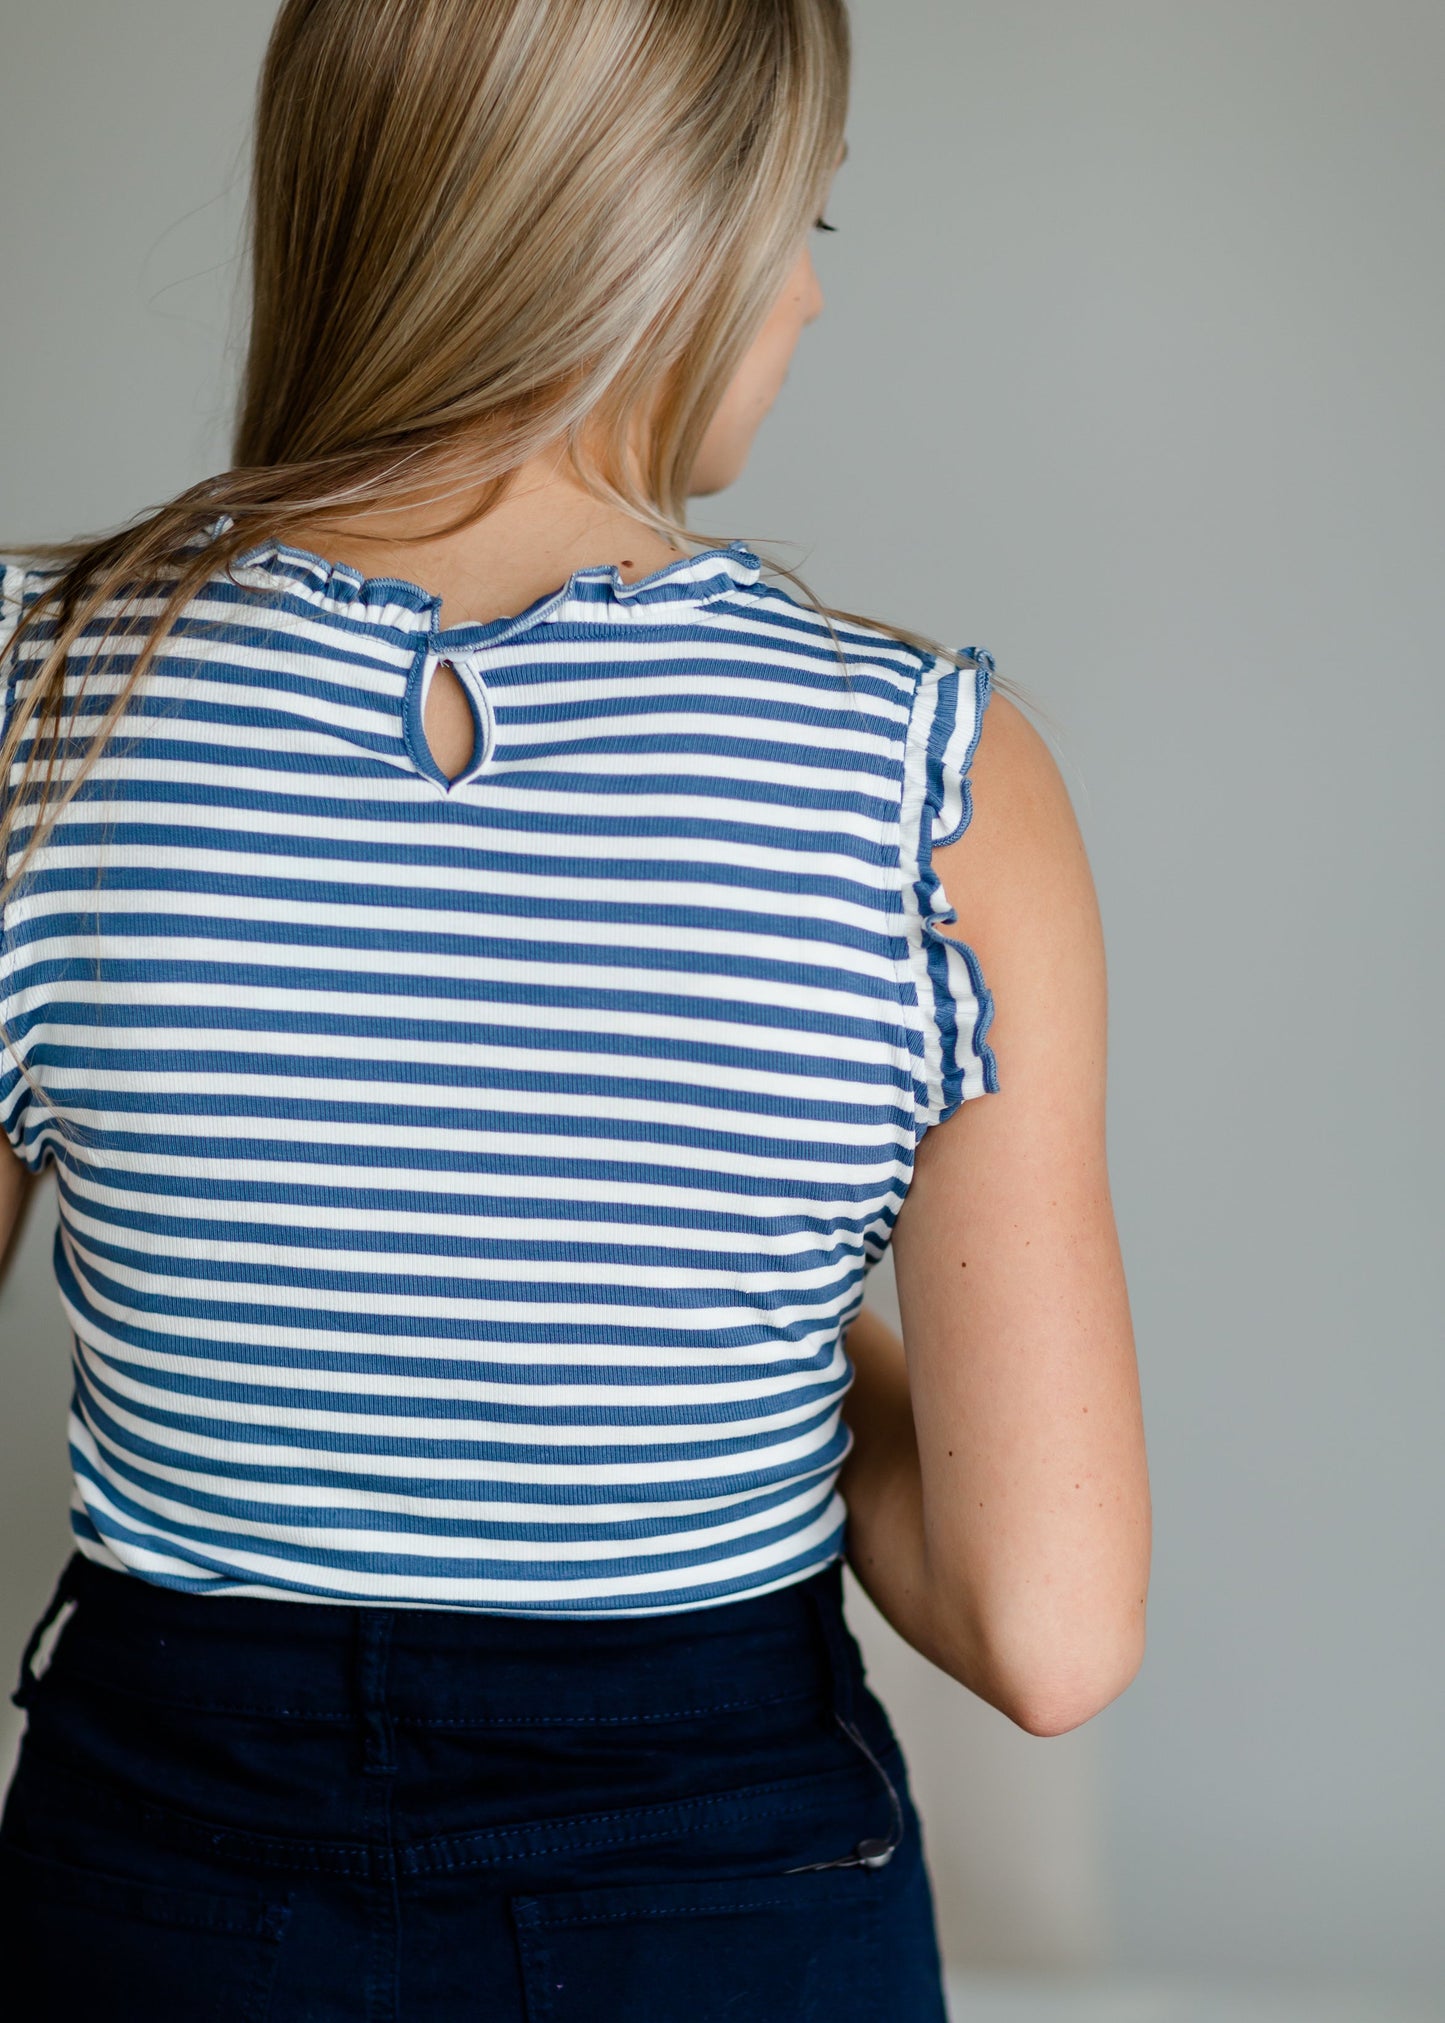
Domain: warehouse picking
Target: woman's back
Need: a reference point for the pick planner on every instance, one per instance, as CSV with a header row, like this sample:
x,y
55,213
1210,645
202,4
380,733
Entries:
x,y
484,1036
466,1183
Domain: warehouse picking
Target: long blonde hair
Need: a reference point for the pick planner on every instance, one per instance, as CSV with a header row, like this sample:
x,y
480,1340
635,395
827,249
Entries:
x,y
478,227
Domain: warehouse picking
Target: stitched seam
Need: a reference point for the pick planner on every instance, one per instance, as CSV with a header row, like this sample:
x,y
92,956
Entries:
x,y
743,1791
266,1921
593,1720
426,1721
347,1857
357,1858
680,1911
202,1706
438,1864
305,1858
430,1851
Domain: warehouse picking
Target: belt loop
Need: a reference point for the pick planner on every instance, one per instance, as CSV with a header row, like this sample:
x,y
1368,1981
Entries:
x,y
373,1649
65,1590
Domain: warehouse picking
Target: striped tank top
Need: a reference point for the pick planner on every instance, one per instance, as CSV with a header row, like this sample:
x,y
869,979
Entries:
x,y
465,1185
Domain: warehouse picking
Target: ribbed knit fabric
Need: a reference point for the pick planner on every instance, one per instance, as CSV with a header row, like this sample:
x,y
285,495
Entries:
x,y
464,1187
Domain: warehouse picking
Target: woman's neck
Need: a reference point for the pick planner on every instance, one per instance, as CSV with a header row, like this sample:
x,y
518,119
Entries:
x,y
544,529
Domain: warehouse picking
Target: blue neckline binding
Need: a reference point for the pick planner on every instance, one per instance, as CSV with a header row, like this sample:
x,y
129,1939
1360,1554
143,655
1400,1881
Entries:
x,y
692,580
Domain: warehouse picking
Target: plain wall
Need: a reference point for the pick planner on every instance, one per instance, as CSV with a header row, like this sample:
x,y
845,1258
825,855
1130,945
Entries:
x,y
1131,373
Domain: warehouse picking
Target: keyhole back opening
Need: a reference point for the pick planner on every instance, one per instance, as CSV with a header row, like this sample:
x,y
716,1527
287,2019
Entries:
x,y
450,727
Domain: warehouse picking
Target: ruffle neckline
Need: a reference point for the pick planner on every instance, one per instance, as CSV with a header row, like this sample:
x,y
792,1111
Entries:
x,y
691,581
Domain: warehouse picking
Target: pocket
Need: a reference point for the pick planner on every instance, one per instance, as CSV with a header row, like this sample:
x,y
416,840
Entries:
x,y
77,1942
795,1948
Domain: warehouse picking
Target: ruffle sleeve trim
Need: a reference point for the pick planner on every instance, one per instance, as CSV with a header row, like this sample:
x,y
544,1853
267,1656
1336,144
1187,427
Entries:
x,y
954,1008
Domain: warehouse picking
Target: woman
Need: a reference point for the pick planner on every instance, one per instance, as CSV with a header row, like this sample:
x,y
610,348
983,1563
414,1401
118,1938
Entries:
x,y
483,967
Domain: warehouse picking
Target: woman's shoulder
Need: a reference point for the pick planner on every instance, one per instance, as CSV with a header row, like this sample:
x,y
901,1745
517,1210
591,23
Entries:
x,y
22,580
908,670
1022,809
17,588
14,576
1017,872
21,583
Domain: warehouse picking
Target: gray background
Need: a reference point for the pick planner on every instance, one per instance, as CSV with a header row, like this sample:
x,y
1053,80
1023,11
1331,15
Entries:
x,y
1130,372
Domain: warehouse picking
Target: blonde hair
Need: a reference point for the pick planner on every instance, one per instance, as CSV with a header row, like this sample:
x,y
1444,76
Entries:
x,y
478,227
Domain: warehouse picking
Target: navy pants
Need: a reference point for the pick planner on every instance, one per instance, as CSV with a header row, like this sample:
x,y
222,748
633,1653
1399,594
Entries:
x,y
272,1810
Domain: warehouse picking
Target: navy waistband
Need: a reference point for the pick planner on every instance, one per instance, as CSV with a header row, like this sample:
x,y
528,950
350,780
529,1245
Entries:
x,y
303,1659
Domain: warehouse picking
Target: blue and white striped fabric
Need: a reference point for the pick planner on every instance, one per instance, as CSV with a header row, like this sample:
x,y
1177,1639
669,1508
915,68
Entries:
x,y
464,1187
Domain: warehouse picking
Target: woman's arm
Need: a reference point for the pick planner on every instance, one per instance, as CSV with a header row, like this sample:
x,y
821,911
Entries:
x,y
1010,1542
881,1481
17,1185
